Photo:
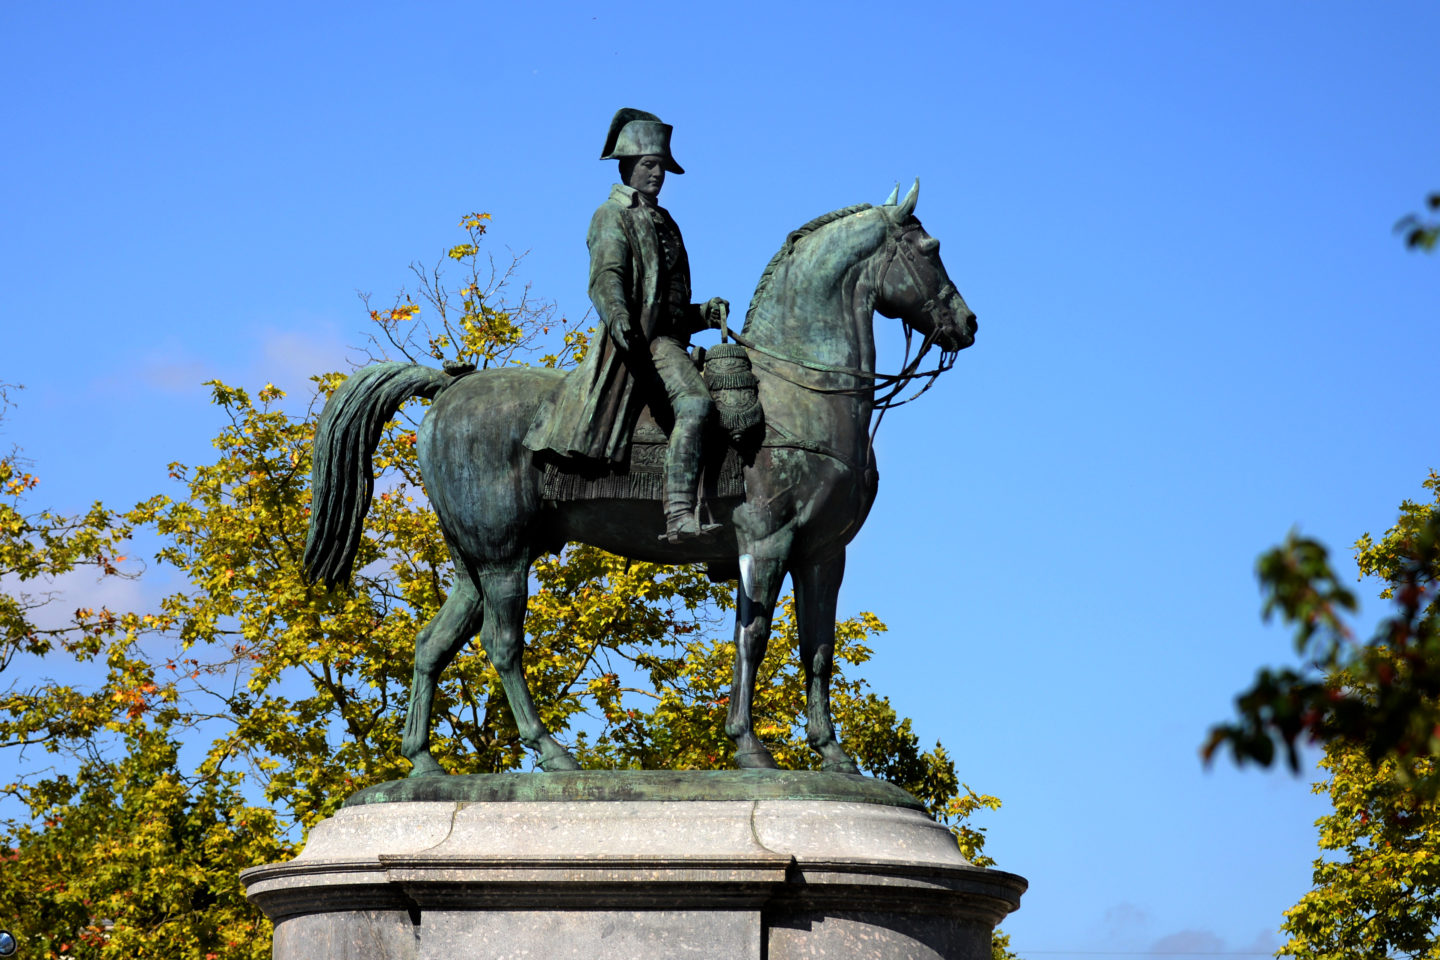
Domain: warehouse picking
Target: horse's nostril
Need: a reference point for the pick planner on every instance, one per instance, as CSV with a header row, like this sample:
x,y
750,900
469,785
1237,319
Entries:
x,y
974,324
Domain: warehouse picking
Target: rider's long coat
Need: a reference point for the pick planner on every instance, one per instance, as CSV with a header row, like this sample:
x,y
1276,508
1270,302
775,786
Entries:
x,y
593,411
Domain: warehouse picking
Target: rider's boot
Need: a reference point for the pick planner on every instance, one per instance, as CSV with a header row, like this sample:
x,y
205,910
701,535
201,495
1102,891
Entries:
x,y
682,470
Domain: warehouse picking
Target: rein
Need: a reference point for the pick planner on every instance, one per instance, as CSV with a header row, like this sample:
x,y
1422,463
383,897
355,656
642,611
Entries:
x,y
895,381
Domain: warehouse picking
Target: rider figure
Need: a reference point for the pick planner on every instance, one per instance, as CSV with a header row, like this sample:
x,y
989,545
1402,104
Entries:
x,y
640,285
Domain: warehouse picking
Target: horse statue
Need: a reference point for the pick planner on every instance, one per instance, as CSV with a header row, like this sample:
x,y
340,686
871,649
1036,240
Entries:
x,y
807,487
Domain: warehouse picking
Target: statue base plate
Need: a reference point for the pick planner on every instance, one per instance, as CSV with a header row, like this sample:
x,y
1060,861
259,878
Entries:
x,y
739,877
609,785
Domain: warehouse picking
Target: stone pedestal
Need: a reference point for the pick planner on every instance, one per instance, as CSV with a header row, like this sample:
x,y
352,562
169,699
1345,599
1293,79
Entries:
x,y
840,867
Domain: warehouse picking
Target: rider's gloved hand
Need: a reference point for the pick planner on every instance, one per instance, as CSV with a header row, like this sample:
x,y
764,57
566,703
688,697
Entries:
x,y
626,337
717,309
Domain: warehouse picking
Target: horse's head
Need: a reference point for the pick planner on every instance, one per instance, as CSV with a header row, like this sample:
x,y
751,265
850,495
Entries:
x,y
913,283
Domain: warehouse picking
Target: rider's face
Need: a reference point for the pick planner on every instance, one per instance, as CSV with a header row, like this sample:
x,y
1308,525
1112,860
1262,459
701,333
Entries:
x,y
648,176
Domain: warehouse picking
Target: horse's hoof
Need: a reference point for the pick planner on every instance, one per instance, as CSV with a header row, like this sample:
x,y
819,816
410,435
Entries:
x,y
841,765
556,759
425,765
834,759
756,760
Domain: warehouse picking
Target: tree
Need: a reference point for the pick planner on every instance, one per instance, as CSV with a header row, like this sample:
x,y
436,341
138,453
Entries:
x,y
1375,707
1377,880
114,822
245,707
37,548
1377,883
1382,695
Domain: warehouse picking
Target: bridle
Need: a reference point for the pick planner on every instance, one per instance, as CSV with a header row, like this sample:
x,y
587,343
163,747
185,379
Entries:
x,y
936,309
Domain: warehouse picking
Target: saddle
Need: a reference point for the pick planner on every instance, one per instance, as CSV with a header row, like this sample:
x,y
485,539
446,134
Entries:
x,y
728,443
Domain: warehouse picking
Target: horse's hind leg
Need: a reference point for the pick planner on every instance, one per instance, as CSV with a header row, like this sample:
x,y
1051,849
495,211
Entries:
x,y
505,589
817,585
436,645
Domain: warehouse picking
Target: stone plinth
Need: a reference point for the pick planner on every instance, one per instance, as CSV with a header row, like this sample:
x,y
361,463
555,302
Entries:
x,y
568,873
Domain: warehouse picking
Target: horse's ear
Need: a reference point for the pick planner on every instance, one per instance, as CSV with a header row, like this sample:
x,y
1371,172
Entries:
x,y
907,206
894,195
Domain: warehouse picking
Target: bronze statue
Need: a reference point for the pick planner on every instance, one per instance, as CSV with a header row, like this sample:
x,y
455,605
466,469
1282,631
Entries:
x,y
640,285
808,480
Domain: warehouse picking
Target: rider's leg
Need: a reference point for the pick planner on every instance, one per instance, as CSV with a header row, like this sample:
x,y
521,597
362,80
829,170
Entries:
x,y
691,405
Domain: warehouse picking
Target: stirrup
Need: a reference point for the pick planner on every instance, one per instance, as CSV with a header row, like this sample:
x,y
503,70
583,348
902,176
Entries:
x,y
686,528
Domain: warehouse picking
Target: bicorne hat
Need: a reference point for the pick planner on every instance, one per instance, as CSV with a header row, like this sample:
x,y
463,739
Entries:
x,y
635,133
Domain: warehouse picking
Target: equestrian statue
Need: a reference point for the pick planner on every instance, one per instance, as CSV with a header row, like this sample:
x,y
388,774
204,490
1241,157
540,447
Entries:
x,y
762,466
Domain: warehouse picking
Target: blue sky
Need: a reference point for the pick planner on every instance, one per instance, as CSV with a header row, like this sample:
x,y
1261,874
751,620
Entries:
x,y
1174,222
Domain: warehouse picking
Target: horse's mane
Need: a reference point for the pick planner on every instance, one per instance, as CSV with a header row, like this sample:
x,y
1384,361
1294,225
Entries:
x,y
788,247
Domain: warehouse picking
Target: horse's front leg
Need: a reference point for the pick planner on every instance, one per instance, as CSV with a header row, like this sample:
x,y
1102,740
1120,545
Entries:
x,y
760,579
503,637
817,585
435,647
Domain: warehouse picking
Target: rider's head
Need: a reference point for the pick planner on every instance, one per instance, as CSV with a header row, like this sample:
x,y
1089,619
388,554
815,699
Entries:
x,y
642,145
646,174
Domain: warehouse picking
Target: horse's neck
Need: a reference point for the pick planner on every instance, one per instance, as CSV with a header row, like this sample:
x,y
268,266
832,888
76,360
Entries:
x,y
832,322
820,309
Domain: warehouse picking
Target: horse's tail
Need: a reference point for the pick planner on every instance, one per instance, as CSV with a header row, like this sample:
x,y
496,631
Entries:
x,y
341,476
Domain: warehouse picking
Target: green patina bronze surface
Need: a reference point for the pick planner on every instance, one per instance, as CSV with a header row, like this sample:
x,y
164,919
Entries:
x,y
621,785
808,482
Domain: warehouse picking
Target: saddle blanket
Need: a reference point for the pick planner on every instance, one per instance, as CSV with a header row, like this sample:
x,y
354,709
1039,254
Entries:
x,y
643,478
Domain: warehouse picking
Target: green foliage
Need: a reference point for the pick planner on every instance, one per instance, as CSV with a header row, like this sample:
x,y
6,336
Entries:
x,y
118,855
1376,883
1421,234
129,858
1376,708
1000,947
1382,695
35,548
248,704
